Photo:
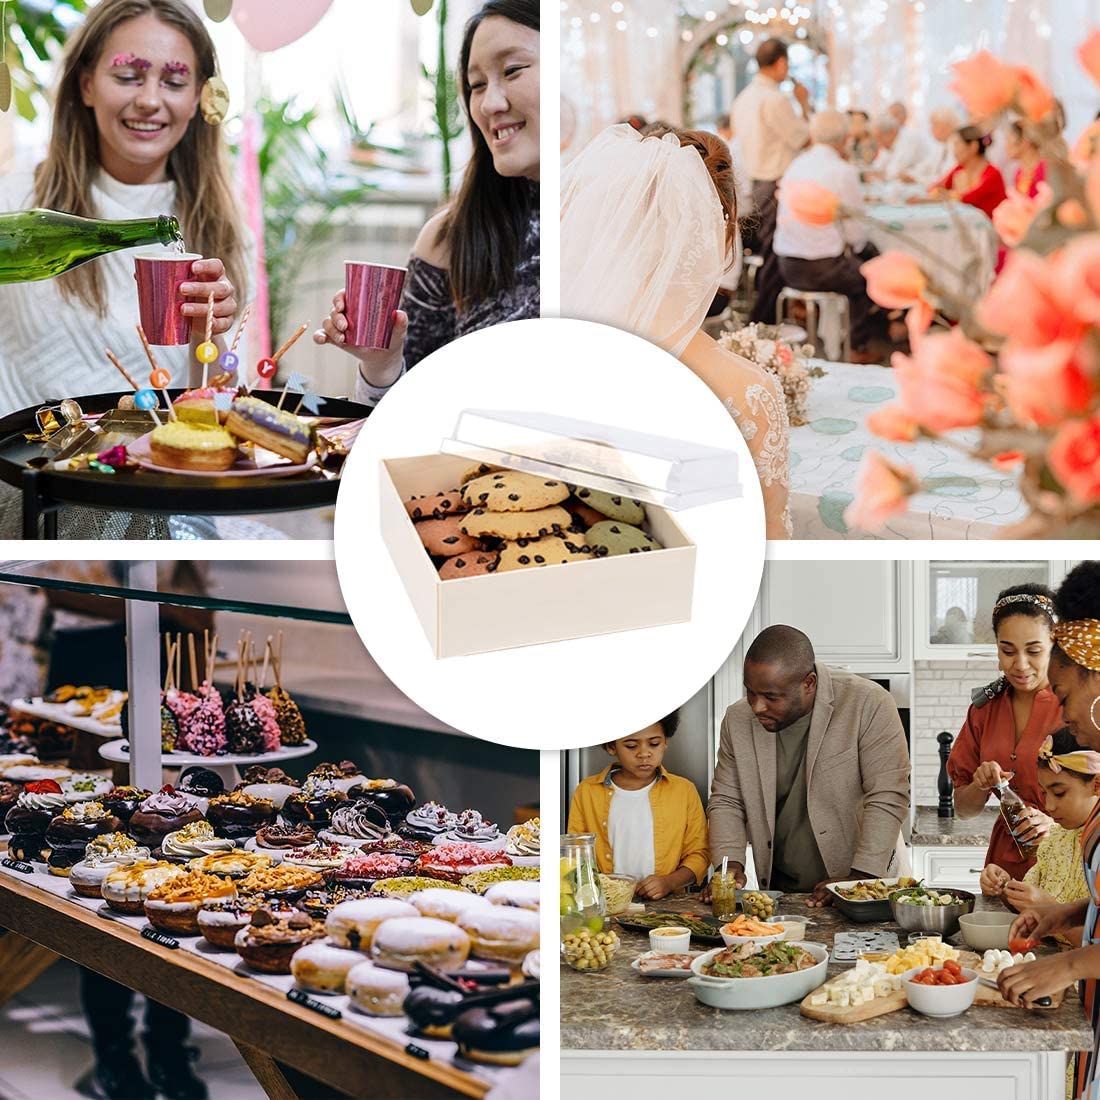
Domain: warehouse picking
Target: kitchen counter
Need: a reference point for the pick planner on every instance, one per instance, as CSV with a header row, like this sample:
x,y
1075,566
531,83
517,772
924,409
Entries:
x,y
617,1009
931,830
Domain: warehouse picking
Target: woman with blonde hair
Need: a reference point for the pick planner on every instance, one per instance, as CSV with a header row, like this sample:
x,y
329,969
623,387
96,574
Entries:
x,y
128,140
648,229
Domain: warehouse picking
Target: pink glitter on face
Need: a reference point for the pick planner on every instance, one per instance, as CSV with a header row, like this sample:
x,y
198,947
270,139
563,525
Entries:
x,y
129,61
176,68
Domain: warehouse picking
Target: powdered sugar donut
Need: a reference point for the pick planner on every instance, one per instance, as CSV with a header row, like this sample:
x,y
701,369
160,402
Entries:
x,y
521,895
404,941
355,923
447,904
376,991
323,968
501,934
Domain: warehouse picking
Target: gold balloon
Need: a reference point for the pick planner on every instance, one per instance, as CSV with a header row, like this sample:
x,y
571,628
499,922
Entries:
x,y
5,86
218,10
214,101
421,7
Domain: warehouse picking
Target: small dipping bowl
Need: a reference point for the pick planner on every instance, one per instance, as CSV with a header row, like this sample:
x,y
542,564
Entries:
x,y
794,928
671,940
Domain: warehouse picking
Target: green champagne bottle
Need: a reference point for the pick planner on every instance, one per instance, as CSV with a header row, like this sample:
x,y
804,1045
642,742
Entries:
x,y
41,244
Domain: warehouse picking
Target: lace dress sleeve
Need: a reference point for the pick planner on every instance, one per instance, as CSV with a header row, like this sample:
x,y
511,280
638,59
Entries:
x,y
430,307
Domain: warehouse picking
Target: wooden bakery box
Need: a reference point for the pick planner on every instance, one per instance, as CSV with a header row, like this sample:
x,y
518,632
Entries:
x,y
554,603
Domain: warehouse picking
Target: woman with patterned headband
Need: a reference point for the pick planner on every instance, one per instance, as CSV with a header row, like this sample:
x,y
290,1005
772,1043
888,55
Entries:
x,y
1007,722
1075,680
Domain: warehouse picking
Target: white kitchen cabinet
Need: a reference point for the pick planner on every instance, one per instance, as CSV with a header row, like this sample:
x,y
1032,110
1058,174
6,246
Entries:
x,y
856,613
960,867
953,603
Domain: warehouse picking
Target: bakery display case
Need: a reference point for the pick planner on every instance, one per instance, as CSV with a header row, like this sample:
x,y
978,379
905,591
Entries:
x,y
339,900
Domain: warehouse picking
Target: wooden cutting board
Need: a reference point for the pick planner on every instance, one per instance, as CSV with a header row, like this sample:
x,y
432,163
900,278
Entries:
x,y
993,999
834,1014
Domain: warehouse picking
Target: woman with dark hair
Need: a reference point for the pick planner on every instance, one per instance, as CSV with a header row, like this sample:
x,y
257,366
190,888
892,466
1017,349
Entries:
x,y
1007,723
476,262
973,180
1075,679
1022,147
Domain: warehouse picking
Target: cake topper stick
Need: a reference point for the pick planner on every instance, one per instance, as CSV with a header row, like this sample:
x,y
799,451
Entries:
x,y
158,378
297,335
207,351
294,381
121,369
194,662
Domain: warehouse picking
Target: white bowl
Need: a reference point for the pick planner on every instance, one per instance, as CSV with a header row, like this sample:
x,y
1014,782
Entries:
x,y
940,1001
750,993
794,928
986,931
675,943
736,941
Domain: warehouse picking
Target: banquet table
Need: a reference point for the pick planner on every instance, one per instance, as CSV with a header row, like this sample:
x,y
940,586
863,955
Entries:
x,y
966,499
960,236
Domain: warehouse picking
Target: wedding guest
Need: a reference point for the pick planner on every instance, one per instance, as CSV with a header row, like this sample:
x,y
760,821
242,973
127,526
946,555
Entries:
x,y
902,150
943,122
1007,722
828,257
861,148
660,282
648,822
973,180
1069,776
1075,680
770,133
475,262
127,140
812,772
1031,170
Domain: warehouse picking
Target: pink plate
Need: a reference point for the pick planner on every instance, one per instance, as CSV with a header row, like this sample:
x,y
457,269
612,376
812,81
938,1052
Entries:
x,y
262,464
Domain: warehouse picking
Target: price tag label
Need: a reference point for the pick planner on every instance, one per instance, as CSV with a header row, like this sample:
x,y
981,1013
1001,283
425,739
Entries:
x,y
417,1052
18,865
306,1001
151,933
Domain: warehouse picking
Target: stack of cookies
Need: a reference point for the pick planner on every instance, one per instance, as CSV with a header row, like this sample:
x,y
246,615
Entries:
x,y
502,520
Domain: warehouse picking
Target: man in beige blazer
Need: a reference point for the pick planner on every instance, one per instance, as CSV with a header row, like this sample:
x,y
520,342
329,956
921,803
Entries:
x,y
812,771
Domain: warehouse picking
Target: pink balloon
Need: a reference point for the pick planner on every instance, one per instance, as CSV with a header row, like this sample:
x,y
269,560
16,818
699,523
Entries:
x,y
271,24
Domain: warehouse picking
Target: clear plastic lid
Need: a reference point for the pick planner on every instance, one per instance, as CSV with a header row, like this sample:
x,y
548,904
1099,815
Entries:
x,y
671,473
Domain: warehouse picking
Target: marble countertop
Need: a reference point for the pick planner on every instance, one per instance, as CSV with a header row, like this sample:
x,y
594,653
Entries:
x,y
931,830
618,1009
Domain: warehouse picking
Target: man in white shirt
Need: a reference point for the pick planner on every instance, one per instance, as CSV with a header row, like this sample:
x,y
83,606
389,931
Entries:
x,y
828,257
903,151
943,122
770,133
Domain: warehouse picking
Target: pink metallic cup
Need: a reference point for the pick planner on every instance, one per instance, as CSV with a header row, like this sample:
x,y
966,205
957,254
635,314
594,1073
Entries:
x,y
371,296
158,283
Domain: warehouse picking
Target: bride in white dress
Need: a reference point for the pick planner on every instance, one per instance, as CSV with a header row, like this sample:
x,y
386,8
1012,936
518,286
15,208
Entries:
x,y
648,229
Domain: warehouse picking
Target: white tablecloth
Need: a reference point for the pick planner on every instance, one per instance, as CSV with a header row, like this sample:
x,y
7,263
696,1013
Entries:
x,y
967,499
959,235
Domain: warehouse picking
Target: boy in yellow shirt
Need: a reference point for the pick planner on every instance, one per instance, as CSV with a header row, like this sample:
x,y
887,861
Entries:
x,y
648,822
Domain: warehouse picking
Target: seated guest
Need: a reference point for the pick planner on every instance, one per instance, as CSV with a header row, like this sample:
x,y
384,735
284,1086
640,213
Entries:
x,y
648,822
902,151
828,257
1022,148
861,147
1069,775
973,180
943,123
812,771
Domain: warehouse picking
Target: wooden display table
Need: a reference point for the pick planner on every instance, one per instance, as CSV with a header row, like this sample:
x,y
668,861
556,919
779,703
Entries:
x,y
279,1040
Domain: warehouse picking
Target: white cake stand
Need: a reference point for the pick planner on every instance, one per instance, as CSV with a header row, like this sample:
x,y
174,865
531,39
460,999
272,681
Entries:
x,y
118,752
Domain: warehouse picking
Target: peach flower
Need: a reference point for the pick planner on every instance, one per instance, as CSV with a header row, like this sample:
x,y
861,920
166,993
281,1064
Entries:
x,y
1007,460
1072,214
1088,53
1074,458
1087,145
1075,278
882,491
1013,218
890,422
1023,305
1092,187
918,321
1034,98
810,203
1044,386
938,385
985,84
894,280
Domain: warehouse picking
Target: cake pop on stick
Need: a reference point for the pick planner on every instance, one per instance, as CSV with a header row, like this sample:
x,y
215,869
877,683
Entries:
x,y
243,728
262,705
181,703
292,729
169,725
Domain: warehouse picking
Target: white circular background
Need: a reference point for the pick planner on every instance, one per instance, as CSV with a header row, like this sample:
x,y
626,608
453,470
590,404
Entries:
x,y
560,694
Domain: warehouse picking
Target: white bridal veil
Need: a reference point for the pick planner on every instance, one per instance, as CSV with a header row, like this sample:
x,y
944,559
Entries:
x,y
643,238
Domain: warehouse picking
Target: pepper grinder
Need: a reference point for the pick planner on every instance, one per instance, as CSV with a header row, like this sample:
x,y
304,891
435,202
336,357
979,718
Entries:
x,y
943,783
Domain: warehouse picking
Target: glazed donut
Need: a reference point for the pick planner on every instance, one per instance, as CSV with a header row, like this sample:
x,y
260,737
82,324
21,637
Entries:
x,y
501,933
355,923
197,406
126,888
273,429
183,446
322,968
377,992
174,905
404,941
500,1035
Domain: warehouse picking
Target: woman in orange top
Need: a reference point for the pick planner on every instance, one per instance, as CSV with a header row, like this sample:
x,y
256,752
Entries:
x,y
1008,722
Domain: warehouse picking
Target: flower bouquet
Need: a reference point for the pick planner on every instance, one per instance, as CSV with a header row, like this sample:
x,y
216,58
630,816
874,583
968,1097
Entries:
x,y
1017,372
764,346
